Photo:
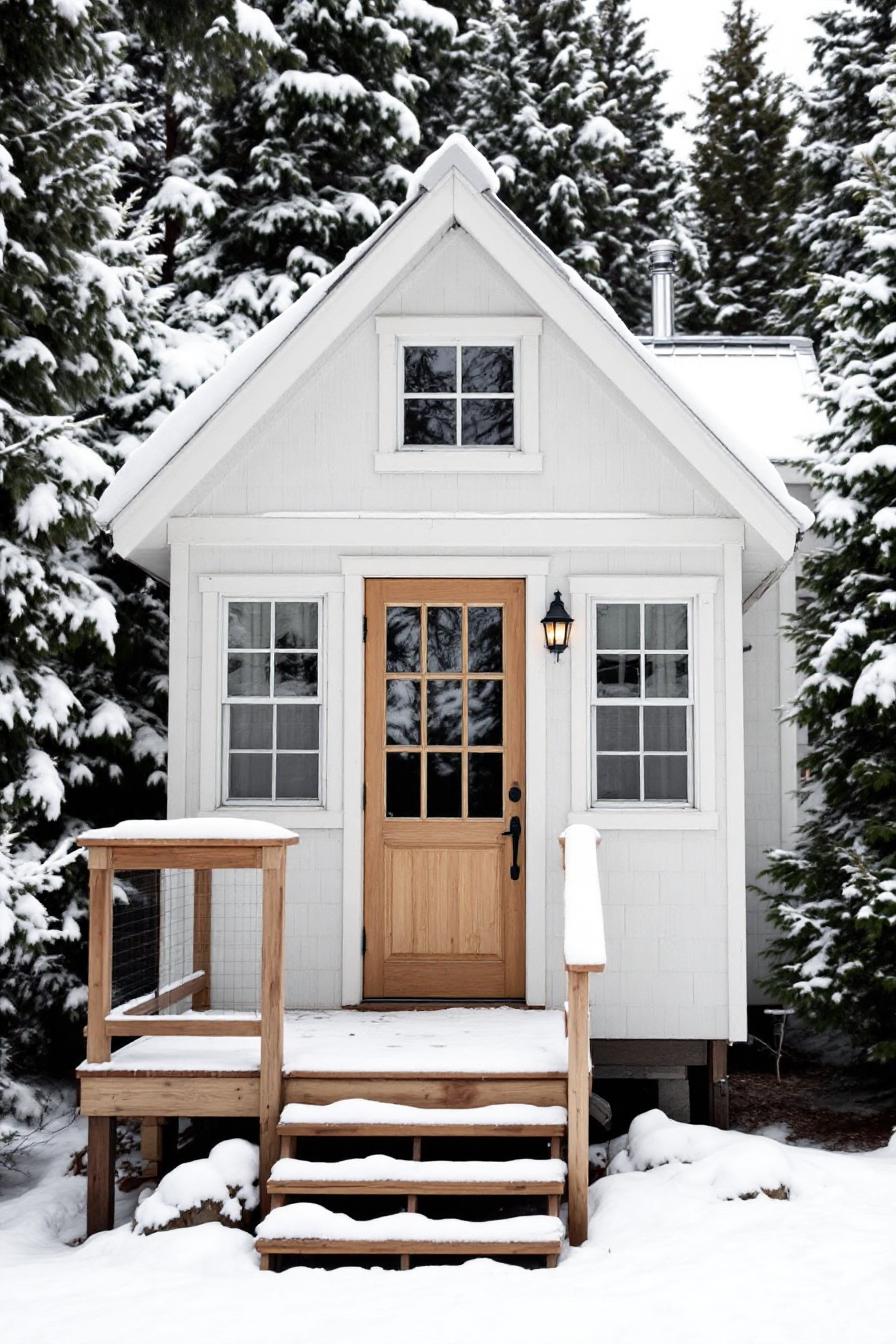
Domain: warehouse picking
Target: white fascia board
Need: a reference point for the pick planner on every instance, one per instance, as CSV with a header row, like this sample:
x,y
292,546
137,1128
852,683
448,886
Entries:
x,y
642,385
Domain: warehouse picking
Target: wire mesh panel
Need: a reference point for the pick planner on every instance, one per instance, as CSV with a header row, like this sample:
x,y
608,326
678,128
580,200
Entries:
x,y
135,936
236,940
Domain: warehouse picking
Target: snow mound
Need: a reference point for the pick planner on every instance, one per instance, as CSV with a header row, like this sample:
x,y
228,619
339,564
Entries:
x,y
191,828
222,1187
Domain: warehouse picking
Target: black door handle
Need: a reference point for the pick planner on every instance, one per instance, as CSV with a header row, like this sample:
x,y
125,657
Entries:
x,y
515,830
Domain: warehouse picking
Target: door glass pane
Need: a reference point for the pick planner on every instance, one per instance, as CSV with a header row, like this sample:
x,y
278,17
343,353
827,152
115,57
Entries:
x,y
250,775
618,777
443,639
618,674
295,625
485,719
666,778
484,639
487,422
665,728
430,422
403,639
403,784
666,625
430,368
618,625
251,726
485,791
297,776
444,713
666,675
248,625
617,727
295,674
298,727
403,713
487,368
443,784
248,674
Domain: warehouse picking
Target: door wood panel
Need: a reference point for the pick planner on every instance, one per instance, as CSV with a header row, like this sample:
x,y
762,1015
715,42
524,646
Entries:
x,y
444,733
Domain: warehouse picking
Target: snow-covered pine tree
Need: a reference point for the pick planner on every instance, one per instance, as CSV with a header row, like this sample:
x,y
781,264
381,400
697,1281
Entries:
x,y
834,957
72,295
745,176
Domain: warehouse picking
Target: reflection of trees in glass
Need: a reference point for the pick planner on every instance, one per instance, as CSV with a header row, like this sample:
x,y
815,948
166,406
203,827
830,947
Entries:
x,y
443,639
403,639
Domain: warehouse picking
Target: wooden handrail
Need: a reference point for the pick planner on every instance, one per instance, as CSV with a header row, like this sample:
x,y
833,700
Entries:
x,y
584,951
163,997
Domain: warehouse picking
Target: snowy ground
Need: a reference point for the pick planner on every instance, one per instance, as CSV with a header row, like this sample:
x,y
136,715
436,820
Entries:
x,y
671,1257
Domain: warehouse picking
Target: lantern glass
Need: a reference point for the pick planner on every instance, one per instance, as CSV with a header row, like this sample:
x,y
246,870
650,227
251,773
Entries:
x,y
556,624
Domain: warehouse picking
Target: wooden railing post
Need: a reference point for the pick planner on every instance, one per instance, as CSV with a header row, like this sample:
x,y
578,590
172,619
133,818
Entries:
x,y
578,1094
99,956
202,936
271,1070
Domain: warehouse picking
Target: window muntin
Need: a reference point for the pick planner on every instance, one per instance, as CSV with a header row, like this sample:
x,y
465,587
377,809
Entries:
x,y
459,396
642,703
272,701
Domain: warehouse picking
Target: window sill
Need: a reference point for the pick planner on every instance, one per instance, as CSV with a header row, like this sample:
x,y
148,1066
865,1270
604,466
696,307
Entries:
x,y
293,818
647,819
457,460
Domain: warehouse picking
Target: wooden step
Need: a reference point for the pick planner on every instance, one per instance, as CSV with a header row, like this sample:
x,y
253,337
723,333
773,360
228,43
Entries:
x,y
359,1117
378,1174
309,1229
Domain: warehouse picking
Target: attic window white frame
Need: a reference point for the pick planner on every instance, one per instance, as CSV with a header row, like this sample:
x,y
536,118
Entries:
x,y
394,333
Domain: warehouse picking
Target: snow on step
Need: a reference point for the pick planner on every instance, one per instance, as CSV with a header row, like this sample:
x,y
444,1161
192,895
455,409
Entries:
x,y
378,1167
360,1111
312,1222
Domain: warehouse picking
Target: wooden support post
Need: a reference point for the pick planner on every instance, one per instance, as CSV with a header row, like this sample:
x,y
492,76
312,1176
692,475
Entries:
x,y
100,1173
151,1147
271,1071
579,1089
202,935
99,956
717,1077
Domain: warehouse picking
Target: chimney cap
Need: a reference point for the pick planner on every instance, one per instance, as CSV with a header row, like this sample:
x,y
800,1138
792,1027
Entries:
x,y
662,252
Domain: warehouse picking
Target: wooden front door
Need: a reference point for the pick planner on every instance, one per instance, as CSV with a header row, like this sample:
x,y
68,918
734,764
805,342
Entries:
x,y
444,904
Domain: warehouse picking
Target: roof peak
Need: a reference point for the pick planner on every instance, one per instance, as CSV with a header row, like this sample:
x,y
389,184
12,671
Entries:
x,y
457,153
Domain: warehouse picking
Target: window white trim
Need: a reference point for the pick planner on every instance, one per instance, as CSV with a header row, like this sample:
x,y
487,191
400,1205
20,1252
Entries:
x,y
396,332
215,591
700,592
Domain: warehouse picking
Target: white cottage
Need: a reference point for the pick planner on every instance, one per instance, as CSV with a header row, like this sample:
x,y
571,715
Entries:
x,y
364,518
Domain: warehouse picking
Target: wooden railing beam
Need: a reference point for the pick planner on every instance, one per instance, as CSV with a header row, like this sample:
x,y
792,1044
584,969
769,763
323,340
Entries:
x,y
579,1092
202,936
271,1065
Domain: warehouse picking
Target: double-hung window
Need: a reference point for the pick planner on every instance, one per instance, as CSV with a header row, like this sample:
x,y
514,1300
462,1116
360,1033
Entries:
x,y
272,702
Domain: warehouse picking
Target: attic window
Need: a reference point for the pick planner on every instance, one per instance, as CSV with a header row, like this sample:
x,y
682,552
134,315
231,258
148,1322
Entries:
x,y
459,396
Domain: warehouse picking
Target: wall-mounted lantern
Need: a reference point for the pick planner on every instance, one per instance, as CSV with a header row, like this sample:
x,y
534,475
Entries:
x,y
557,622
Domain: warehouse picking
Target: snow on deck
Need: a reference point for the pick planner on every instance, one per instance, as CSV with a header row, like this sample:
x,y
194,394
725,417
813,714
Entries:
x,y
447,1040
190,828
303,1222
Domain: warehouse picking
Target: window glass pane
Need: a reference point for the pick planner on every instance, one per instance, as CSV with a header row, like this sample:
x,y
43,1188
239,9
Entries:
x,y
443,717
666,675
251,726
248,674
665,728
295,625
430,368
295,674
403,639
617,727
430,422
485,719
443,780
485,790
618,674
487,368
484,639
250,776
248,625
666,778
298,727
403,784
618,777
666,625
297,776
443,639
402,713
618,625
487,422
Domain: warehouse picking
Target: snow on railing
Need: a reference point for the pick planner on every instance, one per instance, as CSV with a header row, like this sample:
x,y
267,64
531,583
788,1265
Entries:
x,y
584,944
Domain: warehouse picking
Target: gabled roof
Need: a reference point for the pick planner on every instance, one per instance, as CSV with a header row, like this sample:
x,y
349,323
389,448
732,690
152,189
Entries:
x,y
455,185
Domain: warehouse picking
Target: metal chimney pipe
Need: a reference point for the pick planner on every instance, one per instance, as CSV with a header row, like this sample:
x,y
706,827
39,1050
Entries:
x,y
662,252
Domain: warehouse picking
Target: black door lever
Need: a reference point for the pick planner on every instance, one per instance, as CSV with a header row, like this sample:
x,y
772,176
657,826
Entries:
x,y
515,830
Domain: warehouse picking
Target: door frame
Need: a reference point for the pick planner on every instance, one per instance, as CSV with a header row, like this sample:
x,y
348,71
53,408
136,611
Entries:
x,y
533,570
